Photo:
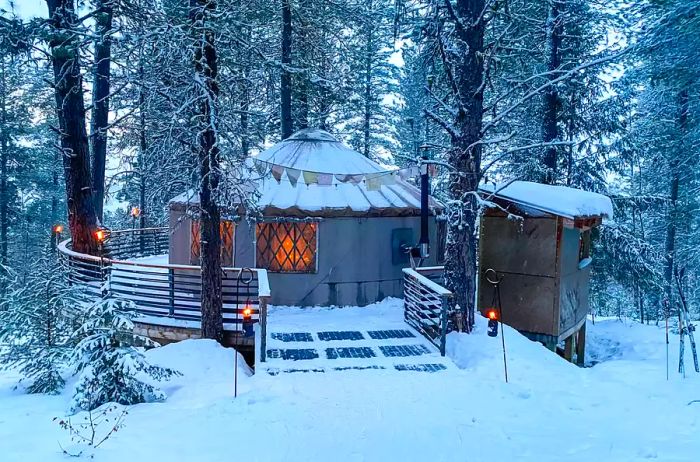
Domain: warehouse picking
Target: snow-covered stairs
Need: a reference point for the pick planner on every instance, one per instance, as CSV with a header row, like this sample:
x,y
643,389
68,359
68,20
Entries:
x,y
393,349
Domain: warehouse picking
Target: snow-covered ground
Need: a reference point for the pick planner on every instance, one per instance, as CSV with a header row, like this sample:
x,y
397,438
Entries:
x,y
621,409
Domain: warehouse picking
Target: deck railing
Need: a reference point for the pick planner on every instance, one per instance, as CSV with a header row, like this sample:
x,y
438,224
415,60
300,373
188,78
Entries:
x,y
426,304
162,291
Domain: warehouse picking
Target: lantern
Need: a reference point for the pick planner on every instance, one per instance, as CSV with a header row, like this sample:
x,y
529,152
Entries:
x,y
492,314
135,212
57,229
247,321
100,236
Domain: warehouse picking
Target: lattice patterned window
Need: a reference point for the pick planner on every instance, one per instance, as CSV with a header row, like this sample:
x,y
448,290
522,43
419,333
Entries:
x,y
226,233
286,247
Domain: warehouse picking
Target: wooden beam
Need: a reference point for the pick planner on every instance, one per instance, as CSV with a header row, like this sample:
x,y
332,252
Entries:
x,y
569,348
581,346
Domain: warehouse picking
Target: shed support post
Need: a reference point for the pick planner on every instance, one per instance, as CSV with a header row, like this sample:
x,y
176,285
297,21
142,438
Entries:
x,y
581,346
569,348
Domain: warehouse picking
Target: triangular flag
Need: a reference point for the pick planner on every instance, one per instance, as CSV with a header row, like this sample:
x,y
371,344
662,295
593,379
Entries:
x,y
293,175
432,170
342,178
325,179
260,167
277,171
310,177
355,179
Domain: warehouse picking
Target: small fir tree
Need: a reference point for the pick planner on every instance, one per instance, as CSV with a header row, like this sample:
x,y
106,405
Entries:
x,y
110,359
36,315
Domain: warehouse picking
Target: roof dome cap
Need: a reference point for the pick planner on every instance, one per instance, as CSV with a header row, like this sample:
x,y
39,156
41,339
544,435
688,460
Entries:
x,y
313,134
316,150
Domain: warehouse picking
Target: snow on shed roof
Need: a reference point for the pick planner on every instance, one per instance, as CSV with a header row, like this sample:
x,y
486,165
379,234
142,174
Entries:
x,y
317,150
557,200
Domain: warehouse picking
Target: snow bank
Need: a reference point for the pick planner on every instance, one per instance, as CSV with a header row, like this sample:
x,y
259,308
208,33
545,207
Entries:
x,y
621,409
559,200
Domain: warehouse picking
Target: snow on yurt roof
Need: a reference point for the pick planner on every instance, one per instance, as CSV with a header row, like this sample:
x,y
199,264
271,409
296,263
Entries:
x,y
318,151
557,200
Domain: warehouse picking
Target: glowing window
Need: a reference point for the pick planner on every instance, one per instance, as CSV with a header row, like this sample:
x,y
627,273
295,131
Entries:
x,y
226,233
286,247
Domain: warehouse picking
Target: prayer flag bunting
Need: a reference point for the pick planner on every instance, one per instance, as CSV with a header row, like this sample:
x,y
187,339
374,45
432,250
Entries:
x,y
293,175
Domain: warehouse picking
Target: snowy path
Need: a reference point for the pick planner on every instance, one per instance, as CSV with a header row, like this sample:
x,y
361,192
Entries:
x,y
320,340
620,410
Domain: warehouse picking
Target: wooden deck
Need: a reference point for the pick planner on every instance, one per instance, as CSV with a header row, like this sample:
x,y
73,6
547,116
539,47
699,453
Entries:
x,y
132,267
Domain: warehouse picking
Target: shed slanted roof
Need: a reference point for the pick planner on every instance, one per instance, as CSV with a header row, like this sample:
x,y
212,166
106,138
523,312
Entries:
x,y
557,200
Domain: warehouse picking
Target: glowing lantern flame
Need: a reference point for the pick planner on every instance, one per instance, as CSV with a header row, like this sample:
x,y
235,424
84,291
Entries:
x,y
247,312
492,314
100,235
58,229
135,212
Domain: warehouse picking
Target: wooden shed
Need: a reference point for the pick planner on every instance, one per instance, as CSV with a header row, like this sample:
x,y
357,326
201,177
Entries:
x,y
537,238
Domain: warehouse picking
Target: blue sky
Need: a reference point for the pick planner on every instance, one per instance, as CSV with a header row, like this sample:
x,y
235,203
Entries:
x,y
26,8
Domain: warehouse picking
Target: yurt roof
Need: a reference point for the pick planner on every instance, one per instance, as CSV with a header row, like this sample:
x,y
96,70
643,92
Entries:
x,y
556,200
318,151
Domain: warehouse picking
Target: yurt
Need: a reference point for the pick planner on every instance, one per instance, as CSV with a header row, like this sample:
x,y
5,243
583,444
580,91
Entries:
x,y
330,225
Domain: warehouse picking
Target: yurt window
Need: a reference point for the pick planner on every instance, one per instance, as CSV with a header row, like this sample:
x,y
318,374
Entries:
x,y
226,233
287,247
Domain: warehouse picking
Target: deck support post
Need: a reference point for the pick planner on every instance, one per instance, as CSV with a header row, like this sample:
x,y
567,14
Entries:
x,y
581,346
263,328
171,294
443,323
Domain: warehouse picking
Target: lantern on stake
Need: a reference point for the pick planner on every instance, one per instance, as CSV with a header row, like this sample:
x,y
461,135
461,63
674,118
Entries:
x,y
495,313
493,322
247,323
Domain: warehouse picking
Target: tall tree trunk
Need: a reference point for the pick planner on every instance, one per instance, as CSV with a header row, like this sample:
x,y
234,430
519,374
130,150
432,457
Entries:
x,y
70,111
143,146
100,101
301,109
286,128
4,148
205,65
465,155
672,218
550,132
367,119
245,99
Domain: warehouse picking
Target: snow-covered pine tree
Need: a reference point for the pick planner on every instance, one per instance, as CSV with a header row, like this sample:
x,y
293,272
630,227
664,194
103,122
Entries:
x,y
370,112
109,358
658,199
37,314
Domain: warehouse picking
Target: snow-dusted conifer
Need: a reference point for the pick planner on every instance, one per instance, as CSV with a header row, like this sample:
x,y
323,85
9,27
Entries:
x,y
110,359
35,325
